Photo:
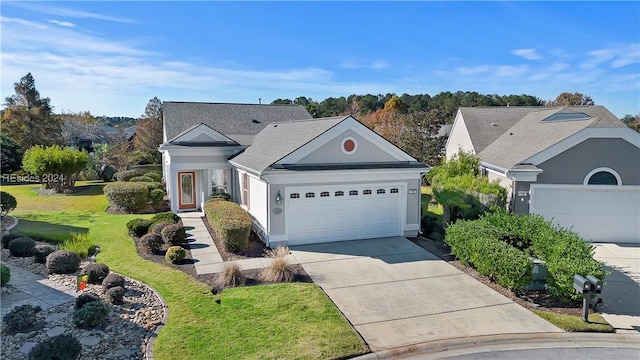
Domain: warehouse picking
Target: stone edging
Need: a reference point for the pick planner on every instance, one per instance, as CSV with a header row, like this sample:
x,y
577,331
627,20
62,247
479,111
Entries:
x,y
148,351
9,227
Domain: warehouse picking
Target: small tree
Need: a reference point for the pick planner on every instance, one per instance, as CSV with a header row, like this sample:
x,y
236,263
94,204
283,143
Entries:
x,y
8,201
457,185
56,167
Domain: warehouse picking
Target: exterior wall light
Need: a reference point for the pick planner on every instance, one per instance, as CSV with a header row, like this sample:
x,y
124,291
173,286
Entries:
x,y
413,191
279,198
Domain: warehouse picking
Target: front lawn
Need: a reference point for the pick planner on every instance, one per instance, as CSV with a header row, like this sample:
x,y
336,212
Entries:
x,y
272,321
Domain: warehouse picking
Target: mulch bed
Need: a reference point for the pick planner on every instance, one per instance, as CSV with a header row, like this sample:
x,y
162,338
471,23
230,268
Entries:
x,y
540,300
256,249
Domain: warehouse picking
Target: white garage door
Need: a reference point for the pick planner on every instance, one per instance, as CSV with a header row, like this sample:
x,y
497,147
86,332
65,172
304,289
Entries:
x,y
343,212
598,213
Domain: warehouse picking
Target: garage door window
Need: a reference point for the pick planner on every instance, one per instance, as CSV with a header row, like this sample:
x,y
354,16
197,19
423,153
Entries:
x,y
602,176
324,194
353,192
380,191
295,196
339,193
366,192
310,195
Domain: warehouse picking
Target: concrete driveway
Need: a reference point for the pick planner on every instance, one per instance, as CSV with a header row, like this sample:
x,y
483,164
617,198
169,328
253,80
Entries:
x,y
621,293
397,294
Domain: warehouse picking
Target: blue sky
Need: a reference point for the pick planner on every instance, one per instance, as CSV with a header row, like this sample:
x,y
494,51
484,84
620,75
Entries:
x,y
110,58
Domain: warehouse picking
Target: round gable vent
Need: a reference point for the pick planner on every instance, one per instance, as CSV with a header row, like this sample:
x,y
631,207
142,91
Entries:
x,y
349,145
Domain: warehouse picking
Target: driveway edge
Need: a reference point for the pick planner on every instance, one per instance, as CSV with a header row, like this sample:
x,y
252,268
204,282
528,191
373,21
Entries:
x,y
472,345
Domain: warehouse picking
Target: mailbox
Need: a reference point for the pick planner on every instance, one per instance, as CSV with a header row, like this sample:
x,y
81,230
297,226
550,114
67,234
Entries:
x,y
581,284
595,283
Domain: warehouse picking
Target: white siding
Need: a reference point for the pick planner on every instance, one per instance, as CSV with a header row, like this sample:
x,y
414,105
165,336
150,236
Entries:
x,y
258,201
458,138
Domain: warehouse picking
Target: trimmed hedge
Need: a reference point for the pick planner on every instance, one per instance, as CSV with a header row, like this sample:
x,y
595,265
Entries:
x,y
231,223
142,178
175,253
7,203
174,234
22,247
128,174
565,253
7,239
138,227
130,196
156,176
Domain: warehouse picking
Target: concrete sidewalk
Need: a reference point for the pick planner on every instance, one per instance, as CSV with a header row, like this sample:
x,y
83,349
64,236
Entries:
x,y
206,256
396,294
29,288
621,293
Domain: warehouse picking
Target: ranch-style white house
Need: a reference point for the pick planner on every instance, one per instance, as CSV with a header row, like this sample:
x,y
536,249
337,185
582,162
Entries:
x,y
302,180
576,165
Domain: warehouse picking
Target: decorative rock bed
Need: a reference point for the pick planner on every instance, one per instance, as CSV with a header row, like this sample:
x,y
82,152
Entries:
x,y
124,335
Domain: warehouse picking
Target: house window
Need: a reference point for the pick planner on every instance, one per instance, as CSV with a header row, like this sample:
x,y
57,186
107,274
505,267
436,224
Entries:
x,y
393,191
294,196
366,192
602,176
310,195
324,194
353,192
339,193
245,189
380,191
219,182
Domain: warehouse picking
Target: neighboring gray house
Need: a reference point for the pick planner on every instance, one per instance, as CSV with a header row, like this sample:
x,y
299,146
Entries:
x,y
576,165
303,180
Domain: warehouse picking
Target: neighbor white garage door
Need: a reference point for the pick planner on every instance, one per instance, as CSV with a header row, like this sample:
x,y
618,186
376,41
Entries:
x,y
600,213
343,212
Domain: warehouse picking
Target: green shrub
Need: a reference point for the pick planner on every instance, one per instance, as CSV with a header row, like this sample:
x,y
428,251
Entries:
x,y
115,295
128,174
41,252
63,262
430,223
151,242
157,227
60,347
112,280
175,253
564,252
156,196
6,239
156,176
167,216
79,243
57,167
230,222
97,272
221,196
5,275
477,244
91,315
7,203
141,179
86,298
174,234
129,196
153,186
21,317
138,227
22,247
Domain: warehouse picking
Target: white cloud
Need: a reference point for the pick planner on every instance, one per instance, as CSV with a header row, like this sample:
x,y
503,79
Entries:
x,y
473,70
529,54
65,11
615,57
62,23
376,65
511,70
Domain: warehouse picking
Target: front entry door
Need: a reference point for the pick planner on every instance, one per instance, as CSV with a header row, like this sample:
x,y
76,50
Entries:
x,y
186,190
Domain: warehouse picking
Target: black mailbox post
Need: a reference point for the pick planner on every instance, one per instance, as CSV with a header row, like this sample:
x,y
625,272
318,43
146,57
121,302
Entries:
x,y
590,287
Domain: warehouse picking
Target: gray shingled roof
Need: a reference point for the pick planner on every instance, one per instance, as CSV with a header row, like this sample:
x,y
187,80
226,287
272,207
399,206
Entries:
x,y
486,124
240,122
529,135
279,140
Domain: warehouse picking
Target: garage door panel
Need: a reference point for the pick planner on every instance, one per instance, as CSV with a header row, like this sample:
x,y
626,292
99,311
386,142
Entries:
x,y
335,218
599,214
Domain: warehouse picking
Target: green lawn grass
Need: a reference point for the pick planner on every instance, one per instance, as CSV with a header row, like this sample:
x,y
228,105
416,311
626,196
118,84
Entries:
x,y
574,323
271,321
